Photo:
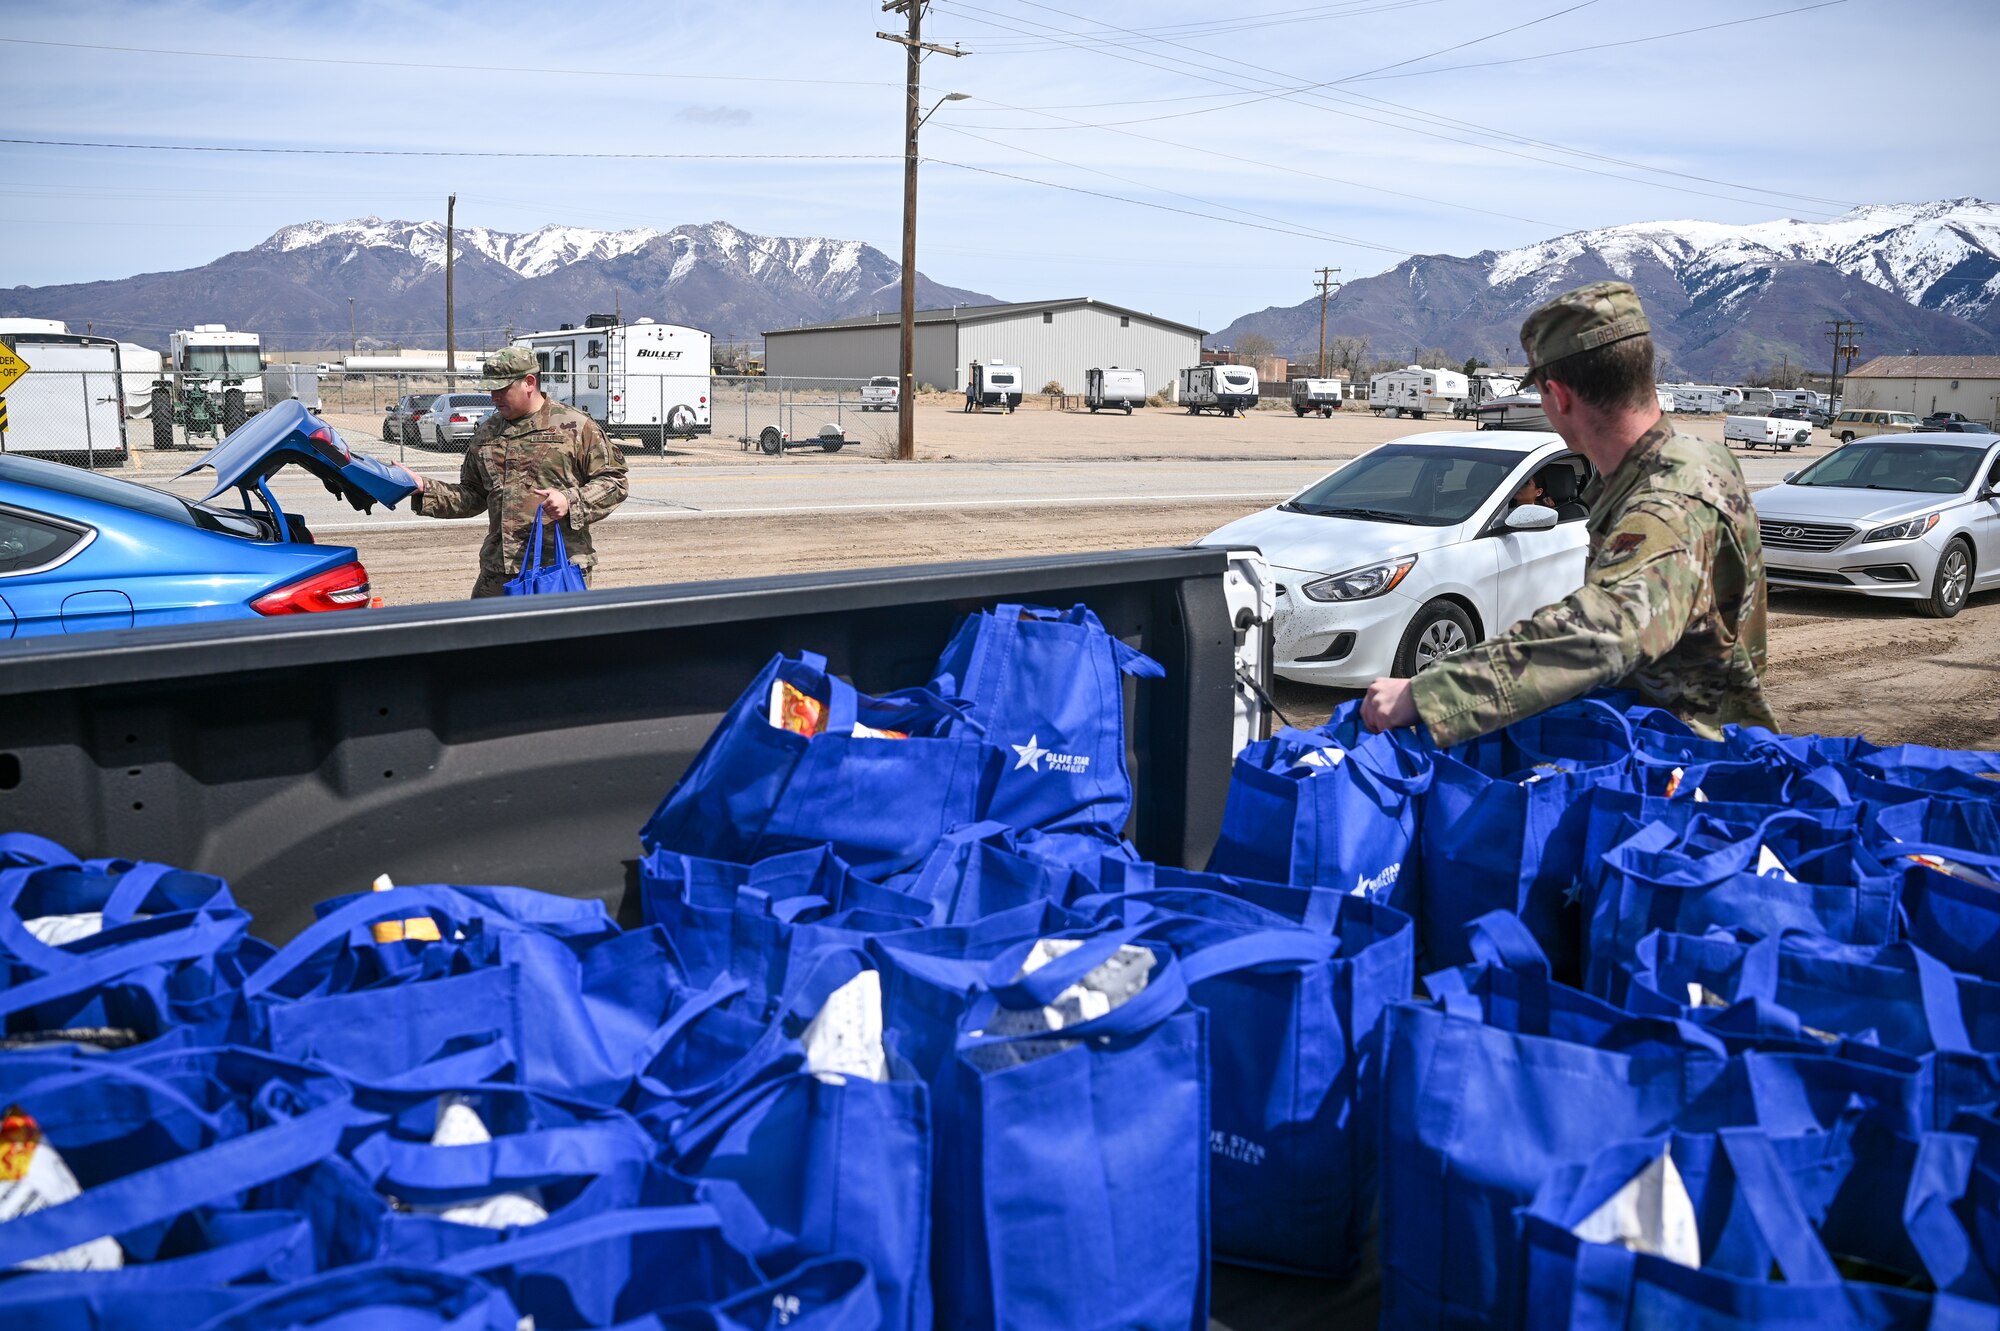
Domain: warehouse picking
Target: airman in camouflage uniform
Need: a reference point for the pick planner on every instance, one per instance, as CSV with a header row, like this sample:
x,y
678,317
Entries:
x,y
531,453
1673,600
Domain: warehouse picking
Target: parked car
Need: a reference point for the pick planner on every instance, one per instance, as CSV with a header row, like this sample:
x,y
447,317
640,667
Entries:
x,y
80,550
1861,422
399,423
1949,416
450,418
1929,426
1909,517
880,393
1416,550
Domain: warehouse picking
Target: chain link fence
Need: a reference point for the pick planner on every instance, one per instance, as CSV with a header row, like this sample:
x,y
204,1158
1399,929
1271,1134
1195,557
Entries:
x,y
105,419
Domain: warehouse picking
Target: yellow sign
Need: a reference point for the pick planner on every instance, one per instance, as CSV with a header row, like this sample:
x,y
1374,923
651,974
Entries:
x,y
12,367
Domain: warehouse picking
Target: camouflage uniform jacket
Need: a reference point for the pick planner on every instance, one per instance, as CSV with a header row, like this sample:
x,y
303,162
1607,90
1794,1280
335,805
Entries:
x,y
1672,606
555,448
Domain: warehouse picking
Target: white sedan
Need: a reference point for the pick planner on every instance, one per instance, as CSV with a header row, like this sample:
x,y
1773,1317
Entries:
x,y
1418,549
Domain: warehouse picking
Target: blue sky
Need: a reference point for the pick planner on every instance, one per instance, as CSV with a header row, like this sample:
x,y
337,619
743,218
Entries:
x,y
1247,147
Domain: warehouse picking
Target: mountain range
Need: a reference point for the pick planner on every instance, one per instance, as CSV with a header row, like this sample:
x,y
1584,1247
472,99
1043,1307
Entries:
x,y
294,287
1725,301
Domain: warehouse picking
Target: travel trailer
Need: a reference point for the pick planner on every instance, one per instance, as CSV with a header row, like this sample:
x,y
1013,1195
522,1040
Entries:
x,y
992,385
643,380
1114,388
1417,392
1226,389
1320,395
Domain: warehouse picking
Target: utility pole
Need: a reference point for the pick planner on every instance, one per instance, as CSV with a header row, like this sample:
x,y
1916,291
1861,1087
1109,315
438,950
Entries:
x,y
914,47
1325,283
351,339
1846,335
450,331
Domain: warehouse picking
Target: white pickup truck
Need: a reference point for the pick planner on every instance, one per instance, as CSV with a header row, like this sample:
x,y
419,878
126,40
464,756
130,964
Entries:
x,y
879,393
1777,432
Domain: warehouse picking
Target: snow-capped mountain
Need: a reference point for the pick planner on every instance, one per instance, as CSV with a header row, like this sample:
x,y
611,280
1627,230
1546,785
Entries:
x,y
294,287
1725,300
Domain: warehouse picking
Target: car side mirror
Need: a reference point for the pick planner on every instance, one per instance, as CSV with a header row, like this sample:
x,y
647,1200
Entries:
x,y
1790,474
1531,517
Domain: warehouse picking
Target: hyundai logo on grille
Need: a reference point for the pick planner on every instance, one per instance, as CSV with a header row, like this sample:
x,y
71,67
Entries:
x,y
1791,533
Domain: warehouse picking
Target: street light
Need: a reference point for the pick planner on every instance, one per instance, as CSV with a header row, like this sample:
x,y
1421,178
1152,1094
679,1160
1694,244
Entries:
x,y
906,426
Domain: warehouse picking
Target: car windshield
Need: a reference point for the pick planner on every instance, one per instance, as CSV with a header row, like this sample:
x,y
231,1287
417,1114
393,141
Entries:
x,y
418,401
881,381
98,489
1895,464
1426,485
471,400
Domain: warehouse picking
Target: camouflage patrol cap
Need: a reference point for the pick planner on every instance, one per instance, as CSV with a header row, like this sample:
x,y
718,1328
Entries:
x,y
1585,319
503,367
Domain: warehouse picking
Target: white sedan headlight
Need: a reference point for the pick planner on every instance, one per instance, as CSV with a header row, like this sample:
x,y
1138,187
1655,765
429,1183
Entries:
x,y
1360,584
1903,531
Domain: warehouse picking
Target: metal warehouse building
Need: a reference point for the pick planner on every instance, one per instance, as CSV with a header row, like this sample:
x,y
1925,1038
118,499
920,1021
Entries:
x,y
1050,339
1969,385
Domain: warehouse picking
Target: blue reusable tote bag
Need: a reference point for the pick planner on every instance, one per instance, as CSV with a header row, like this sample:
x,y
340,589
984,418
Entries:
x,y
614,1268
376,1297
1706,875
1503,823
1026,1236
976,871
1507,1076
577,1016
157,1137
804,1162
1334,807
1049,686
1763,1248
537,578
757,790
1295,1086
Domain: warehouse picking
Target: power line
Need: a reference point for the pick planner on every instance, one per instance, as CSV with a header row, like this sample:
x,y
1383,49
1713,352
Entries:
x,y
432,67
1393,109
566,154
1168,208
1029,44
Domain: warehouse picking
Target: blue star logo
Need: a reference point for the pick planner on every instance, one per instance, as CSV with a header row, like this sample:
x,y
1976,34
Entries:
x,y
1031,754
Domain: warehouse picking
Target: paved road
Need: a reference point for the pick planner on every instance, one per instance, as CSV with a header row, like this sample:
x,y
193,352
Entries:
x,y
796,486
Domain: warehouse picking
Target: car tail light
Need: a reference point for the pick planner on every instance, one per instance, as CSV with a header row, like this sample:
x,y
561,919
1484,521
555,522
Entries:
x,y
342,588
460,419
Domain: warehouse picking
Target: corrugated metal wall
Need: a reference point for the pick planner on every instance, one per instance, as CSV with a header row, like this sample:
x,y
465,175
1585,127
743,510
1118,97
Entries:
x,y
861,352
1073,339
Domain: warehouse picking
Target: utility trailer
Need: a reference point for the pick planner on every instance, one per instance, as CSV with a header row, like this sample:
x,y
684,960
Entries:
x,y
69,406
1316,395
1223,389
1774,432
1110,389
643,380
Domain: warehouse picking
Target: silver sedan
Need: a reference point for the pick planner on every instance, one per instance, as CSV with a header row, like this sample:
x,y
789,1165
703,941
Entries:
x,y
1909,516
450,419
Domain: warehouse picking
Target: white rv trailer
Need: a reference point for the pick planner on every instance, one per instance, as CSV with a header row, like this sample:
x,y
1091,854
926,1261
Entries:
x,y
1114,388
1415,391
642,380
69,406
142,367
1320,395
1227,389
993,385
222,362
1708,399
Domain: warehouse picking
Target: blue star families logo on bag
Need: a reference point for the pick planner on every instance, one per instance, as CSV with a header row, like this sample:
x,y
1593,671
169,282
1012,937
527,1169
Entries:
x,y
787,1307
1369,886
1232,1147
1032,755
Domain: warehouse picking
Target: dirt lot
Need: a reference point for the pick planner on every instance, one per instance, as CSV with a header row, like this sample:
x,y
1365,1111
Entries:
x,y
1838,664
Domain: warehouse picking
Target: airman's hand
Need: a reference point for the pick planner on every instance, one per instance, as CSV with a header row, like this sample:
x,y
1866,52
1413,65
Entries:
x,y
1388,705
555,502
